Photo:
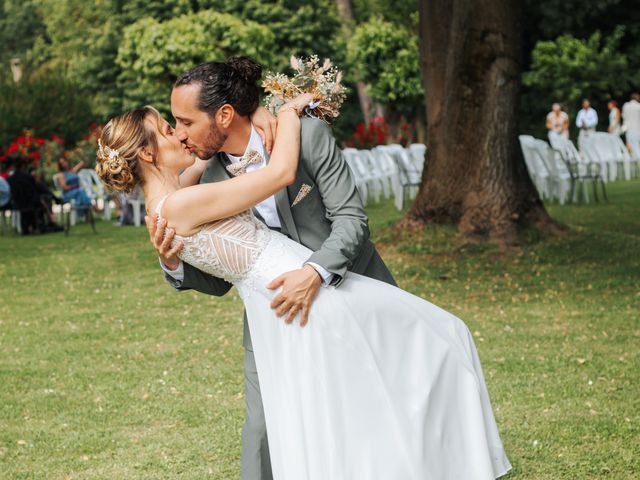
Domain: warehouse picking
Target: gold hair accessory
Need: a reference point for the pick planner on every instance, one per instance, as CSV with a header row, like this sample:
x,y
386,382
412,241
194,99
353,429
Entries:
x,y
111,154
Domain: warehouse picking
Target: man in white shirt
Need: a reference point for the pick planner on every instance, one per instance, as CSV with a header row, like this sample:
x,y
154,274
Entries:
x,y
631,124
587,120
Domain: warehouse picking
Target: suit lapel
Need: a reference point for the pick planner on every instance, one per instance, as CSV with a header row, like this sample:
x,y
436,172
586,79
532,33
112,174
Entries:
x,y
215,171
284,210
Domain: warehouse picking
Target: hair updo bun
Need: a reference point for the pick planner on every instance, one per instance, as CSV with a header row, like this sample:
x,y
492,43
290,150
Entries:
x,y
247,68
114,170
118,147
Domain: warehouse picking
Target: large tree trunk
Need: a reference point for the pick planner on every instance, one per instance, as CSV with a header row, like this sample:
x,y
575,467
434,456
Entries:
x,y
475,175
366,102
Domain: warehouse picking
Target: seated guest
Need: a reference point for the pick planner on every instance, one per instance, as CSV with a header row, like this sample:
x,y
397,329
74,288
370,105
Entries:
x,y
5,190
70,184
5,193
46,200
25,197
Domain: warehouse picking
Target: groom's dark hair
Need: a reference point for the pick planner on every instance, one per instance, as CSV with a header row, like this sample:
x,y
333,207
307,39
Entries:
x,y
232,82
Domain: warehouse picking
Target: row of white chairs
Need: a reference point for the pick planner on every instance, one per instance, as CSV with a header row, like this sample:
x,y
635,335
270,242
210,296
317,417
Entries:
x,y
559,173
387,170
611,153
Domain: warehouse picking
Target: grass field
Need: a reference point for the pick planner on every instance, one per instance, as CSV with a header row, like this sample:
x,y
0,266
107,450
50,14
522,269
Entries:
x,y
107,373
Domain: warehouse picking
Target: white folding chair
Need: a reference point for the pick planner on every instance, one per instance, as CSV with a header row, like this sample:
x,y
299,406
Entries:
x,y
535,165
352,158
375,178
560,179
418,152
390,175
91,183
410,173
582,169
628,165
597,148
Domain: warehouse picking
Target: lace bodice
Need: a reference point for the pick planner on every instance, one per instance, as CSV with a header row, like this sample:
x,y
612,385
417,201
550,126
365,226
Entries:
x,y
226,248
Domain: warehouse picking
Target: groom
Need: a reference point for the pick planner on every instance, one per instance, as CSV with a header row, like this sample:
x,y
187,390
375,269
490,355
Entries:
x,y
321,210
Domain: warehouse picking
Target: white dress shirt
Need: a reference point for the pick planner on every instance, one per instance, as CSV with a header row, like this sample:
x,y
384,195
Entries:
x,y
588,117
267,208
631,116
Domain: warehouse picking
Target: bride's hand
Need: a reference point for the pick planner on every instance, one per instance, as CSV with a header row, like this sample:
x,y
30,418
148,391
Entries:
x,y
265,124
298,103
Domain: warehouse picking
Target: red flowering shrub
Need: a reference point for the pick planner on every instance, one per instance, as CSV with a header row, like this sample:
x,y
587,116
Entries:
x,y
377,133
26,146
43,154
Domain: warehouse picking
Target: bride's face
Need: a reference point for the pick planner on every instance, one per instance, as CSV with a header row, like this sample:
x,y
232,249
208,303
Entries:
x,y
171,153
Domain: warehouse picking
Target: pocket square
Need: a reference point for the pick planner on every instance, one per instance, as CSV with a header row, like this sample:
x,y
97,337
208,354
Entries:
x,y
304,191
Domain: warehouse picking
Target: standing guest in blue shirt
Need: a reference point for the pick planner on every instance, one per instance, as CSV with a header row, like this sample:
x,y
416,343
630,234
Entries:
x,y
587,120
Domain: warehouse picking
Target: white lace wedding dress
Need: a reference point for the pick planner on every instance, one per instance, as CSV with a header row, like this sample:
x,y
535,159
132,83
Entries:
x,y
380,385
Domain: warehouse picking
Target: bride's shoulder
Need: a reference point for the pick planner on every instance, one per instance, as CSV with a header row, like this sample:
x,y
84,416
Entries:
x,y
173,208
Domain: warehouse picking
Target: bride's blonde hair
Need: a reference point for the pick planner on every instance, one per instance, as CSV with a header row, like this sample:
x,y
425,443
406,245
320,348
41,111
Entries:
x,y
119,145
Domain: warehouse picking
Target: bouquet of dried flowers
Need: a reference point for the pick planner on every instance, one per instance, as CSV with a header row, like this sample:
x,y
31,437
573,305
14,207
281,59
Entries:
x,y
323,81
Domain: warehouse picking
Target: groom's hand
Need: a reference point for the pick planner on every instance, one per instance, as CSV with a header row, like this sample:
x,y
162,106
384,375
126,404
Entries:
x,y
161,237
299,289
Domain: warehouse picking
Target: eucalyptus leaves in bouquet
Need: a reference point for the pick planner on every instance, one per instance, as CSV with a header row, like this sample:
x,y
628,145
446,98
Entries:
x,y
323,81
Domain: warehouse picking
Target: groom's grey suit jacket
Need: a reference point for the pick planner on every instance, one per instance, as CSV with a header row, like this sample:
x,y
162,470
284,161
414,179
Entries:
x,y
330,219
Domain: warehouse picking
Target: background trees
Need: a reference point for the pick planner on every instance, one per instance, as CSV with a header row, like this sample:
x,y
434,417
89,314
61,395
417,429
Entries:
x,y
116,54
91,45
152,54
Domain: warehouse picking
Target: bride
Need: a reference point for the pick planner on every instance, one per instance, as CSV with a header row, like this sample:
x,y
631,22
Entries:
x,y
380,385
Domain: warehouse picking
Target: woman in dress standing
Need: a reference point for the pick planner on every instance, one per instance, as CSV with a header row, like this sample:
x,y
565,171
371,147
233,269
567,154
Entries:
x,y
614,118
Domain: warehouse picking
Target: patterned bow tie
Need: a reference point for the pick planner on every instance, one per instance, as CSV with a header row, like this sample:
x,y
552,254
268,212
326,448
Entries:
x,y
238,168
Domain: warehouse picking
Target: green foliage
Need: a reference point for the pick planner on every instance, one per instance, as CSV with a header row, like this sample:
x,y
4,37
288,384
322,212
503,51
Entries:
x,y
134,10
82,41
47,104
20,24
547,20
300,27
568,69
152,54
400,12
387,59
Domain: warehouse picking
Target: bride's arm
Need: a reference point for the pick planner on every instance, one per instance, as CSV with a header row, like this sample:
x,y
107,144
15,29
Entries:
x,y
191,175
191,207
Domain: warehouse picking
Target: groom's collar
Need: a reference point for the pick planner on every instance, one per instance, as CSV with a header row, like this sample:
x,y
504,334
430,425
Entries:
x,y
255,143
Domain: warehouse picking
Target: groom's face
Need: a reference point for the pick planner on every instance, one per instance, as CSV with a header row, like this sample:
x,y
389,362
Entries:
x,y
195,128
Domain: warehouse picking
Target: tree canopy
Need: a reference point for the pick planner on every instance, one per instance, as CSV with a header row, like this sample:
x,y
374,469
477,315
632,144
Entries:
x,y
572,48
152,54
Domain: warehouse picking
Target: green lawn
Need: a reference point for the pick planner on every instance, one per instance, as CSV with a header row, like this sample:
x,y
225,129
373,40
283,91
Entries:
x,y
105,372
